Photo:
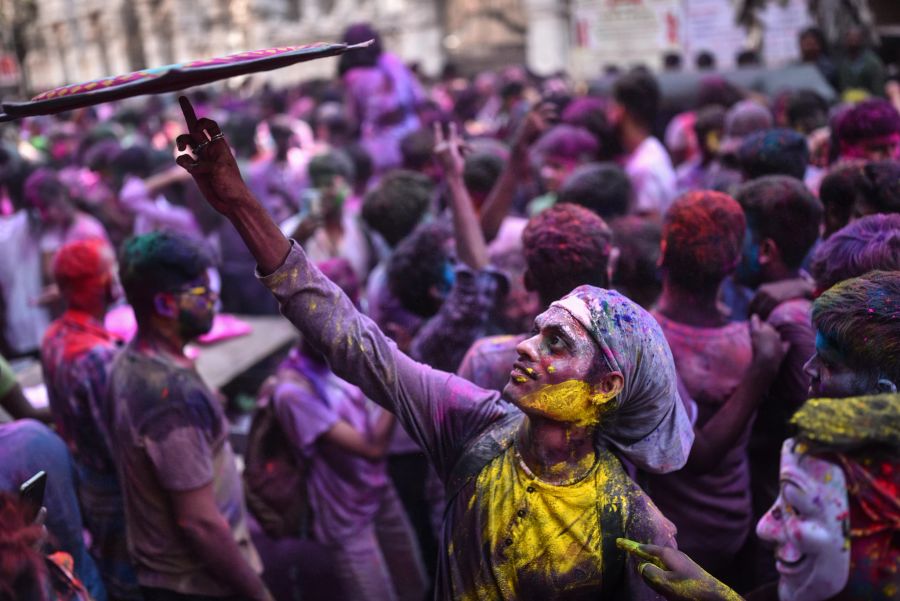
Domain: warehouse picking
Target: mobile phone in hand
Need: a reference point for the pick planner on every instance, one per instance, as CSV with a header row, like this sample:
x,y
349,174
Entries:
x,y
31,495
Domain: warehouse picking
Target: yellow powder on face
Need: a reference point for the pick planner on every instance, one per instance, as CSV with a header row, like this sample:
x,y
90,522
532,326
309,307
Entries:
x,y
572,401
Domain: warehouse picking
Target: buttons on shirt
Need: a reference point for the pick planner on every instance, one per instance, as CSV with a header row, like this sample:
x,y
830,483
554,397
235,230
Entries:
x,y
508,542
521,513
529,489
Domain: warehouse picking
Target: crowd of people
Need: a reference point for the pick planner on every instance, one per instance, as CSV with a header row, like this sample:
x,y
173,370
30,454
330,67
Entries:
x,y
553,343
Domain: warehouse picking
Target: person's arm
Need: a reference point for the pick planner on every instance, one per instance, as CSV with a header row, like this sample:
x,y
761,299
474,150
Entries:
x,y
500,199
769,296
352,440
209,535
470,245
717,435
438,410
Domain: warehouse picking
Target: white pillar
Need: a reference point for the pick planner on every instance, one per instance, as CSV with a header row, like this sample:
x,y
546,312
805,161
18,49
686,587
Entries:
x,y
547,42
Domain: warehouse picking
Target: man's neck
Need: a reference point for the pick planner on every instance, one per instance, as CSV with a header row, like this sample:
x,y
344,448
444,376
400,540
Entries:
x,y
96,311
556,452
633,136
690,307
161,339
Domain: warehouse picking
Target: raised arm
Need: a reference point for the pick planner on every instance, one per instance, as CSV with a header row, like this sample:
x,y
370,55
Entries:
x,y
498,203
470,245
439,410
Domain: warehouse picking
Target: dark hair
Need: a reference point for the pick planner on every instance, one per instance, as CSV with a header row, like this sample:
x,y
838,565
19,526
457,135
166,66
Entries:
x,y
639,93
672,60
774,152
360,57
807,111
362,166
134,160
865,245
705,60
782,209
865,188
860,318
481,171
819,36
884,187
637,273
840,191
748,58
158,262
703,233
323,167
419,263
566,246
417,149
603,188
397,204
589,112
709,119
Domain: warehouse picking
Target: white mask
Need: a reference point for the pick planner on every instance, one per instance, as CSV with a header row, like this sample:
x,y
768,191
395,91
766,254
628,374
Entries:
x,y
808,524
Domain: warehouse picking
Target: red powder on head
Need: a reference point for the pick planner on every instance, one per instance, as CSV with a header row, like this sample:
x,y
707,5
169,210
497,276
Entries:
x,y
81,270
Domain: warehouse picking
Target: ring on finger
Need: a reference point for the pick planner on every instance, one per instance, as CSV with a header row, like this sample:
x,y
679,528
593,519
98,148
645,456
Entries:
x,y
199,147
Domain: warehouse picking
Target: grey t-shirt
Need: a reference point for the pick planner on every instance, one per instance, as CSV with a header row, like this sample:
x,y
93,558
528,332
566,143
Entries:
x,y
170,434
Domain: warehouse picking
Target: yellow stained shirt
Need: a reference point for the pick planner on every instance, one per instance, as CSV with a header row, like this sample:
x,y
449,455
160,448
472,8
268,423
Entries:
x,y
541,538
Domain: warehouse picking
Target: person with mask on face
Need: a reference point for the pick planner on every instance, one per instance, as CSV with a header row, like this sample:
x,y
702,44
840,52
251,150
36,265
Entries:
x,y
835,522
184,506
536,496
76,356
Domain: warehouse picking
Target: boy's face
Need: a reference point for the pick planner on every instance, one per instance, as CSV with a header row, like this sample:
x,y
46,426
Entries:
x,y
832,376
552,378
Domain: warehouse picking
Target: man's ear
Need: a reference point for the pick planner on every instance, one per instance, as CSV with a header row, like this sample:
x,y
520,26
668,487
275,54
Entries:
x,y
611,384
768,252
611,265
662,253
164,305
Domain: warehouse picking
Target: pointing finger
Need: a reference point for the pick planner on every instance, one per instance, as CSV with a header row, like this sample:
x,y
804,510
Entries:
x,y
190,117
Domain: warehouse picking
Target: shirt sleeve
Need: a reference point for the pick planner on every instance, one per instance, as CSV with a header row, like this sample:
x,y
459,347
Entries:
x,y
440,411
178,450
7,377
303,416
645,524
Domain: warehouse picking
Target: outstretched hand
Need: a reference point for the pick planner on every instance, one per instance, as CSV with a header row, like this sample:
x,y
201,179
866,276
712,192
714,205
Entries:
x,y
674,575
449,150
209,161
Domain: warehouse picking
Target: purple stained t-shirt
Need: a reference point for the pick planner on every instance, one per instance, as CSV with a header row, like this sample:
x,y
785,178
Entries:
x,y
345,490
712,511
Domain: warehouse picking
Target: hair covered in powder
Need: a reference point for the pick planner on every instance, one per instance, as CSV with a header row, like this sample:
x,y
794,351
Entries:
x,y
703,234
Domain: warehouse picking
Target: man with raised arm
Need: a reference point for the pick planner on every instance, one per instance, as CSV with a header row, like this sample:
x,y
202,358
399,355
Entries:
x,y
536,497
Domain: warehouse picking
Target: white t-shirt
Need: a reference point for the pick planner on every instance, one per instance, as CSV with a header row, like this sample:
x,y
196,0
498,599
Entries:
x,y
652,176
